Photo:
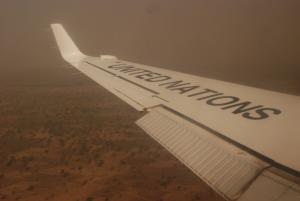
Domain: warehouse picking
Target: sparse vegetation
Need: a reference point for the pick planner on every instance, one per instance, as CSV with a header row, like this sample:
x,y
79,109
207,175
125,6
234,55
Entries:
x,y
64,142
90,199
11,161
30,188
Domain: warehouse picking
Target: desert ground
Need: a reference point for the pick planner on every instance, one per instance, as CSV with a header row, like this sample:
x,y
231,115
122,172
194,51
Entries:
x,y
78,142
64,138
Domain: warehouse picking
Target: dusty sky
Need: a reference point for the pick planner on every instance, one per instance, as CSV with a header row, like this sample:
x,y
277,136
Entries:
x,y
254,42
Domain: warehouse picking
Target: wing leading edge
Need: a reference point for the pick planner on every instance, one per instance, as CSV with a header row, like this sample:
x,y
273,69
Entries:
x,y
234,143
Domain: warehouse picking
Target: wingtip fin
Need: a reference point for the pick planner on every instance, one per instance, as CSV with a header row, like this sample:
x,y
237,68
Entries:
x,y
67,47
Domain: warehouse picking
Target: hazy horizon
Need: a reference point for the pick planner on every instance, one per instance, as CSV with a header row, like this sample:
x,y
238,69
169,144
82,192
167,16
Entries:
x,y
249,42
62,137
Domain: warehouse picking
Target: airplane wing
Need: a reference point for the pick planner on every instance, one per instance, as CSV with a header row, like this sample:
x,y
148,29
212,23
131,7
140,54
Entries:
x,y
242,141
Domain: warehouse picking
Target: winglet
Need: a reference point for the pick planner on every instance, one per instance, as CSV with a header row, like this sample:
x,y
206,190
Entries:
x,y
67,47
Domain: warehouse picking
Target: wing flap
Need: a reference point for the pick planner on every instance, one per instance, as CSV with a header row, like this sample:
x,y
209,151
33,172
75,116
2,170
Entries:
x,y
271,187
224,167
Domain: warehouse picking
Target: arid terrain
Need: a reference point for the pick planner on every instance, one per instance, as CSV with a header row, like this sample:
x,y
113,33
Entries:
x,y
64,138
79,142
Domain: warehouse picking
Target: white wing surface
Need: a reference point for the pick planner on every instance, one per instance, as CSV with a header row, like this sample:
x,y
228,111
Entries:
x,y
242,141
